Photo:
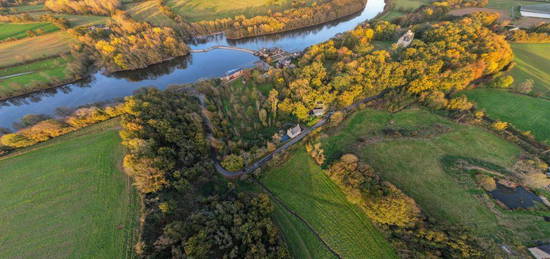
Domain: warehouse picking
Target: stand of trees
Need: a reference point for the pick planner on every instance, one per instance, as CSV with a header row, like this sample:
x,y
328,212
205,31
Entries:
x,y
125,44
295,18
98,7
189,212
398,215
537,34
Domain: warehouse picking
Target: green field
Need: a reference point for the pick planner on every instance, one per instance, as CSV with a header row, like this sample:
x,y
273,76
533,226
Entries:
x,y
401,7
80,20
198,10
39,73
533,62
303,187
524,112
414,165
301,242
67,198
24,50
19,30
149,11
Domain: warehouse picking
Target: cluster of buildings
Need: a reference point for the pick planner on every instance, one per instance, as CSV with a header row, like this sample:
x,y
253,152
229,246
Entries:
x,y
278,57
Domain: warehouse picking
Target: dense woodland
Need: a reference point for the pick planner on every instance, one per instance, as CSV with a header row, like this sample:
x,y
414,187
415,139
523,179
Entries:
x,y
125,44
189,212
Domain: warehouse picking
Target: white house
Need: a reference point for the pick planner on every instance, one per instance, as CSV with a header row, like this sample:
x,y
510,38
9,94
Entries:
x,y
537,10
318,112
294,131
540,252
406,39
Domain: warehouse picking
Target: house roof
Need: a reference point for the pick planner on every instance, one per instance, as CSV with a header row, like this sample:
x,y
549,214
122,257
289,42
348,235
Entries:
x,y
537,8
295,130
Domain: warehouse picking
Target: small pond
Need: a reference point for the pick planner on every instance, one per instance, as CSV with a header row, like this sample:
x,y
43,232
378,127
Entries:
x,y
515,198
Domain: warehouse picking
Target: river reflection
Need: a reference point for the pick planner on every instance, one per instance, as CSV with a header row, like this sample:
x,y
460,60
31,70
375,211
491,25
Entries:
x,y
101,87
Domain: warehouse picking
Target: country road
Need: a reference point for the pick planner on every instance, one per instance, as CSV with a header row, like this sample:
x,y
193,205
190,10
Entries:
x,y
250,168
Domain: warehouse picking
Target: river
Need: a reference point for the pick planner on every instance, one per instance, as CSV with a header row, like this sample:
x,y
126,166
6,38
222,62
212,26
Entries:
x,y
102,88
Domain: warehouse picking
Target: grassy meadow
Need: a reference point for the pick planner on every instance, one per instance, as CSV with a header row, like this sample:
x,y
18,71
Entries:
x,y
414,164
28,49
19,30
524,112
401,7
301,185
40,72
80,20
533,62
67,198
301,242
149,11
198,10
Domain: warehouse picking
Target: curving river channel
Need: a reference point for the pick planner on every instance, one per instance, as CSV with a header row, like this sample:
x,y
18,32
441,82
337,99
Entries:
x,y
102,88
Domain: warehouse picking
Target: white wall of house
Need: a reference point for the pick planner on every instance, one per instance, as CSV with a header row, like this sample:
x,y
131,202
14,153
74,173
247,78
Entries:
x,y
532,14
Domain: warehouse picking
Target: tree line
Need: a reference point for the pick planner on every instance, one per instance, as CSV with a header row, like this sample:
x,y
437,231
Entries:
x,y
291,19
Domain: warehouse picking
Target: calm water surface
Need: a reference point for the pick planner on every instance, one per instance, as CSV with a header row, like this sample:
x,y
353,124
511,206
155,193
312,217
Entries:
x,y
100,87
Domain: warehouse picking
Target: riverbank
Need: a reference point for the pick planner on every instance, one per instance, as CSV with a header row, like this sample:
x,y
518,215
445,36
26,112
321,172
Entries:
x,y
41,75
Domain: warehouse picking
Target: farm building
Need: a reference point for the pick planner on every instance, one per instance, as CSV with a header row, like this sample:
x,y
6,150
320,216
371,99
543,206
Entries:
x,y
538,10
294,131
540,252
